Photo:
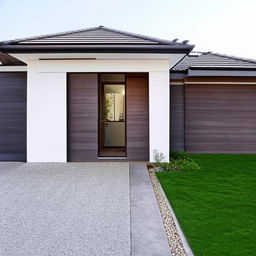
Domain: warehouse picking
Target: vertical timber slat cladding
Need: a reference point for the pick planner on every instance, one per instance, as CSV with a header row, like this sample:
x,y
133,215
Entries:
x,y
137,117
221,118
177,117
82,117
13,104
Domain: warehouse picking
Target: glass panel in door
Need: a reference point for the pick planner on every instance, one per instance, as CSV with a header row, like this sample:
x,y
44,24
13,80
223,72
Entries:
x,y
113,125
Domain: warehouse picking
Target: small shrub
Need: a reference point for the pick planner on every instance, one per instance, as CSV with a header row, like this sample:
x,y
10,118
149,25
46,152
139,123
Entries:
x,y
158,156
179,155
187,165
179,165
179,161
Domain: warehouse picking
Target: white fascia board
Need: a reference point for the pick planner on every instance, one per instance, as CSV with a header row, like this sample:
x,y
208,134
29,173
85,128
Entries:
x,y
13,68
56,66
172,58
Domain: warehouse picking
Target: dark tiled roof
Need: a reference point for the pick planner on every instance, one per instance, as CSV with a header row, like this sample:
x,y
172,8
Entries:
x,y
7,60
96,35
213,60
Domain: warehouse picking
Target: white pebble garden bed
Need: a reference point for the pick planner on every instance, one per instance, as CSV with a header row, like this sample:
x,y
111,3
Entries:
x,y
176,239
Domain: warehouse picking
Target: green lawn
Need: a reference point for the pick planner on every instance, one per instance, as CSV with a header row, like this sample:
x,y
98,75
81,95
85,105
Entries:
x,y
216,206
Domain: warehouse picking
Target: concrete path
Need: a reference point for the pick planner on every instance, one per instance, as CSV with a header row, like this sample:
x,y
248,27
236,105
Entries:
x,y
78,209
64,209
148,234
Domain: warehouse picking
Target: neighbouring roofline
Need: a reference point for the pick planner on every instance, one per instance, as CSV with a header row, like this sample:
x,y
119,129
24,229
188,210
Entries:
x,y
213,61
7,60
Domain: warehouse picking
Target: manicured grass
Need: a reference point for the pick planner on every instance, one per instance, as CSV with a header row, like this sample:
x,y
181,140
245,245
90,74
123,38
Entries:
x,y
216,206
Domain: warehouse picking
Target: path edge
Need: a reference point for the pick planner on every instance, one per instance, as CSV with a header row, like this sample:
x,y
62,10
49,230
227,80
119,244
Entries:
x,y
184,240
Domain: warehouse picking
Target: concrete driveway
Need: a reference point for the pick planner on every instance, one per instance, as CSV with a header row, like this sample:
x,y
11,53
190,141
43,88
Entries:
x,y
64,209
79,209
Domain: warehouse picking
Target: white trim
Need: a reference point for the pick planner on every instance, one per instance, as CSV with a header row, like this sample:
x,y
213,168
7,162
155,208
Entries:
x,y
13,68
55,66
233,67
176,83
226,73
172,58
242,83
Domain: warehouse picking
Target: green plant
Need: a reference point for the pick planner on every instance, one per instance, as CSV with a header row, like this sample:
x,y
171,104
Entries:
x,y
107,115
179,165
175,154
158,156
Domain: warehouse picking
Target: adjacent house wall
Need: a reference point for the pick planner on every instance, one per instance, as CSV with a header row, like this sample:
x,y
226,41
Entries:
x,y
220,115
213,114
177,131
13,99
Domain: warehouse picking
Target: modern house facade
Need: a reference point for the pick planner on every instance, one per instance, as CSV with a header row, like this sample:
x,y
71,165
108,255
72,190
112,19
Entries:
x,y
98,94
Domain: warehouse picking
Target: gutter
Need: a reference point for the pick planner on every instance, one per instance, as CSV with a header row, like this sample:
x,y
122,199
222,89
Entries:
x,y
96,48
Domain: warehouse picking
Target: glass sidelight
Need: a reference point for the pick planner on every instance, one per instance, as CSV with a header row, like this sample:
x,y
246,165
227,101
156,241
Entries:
x,y
112,134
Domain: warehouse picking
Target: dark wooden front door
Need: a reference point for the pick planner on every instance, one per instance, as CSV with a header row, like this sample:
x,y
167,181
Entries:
x,y
82,117
13,102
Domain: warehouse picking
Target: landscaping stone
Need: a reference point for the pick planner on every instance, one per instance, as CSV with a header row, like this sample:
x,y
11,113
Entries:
x,y
174,239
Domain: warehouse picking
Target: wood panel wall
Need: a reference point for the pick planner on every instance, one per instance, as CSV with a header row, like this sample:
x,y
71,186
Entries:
x,y
177,117
82,117
13,103
137,117
221,118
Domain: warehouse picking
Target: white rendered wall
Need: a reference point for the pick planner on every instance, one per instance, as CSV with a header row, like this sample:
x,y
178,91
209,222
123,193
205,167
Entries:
x,y
46,117
46,109
159,113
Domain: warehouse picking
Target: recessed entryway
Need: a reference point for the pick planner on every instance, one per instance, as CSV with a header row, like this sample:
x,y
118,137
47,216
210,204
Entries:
x,y
107,116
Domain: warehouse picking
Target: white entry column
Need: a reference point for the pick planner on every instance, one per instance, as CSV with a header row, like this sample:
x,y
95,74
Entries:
x,y
159,113
46,116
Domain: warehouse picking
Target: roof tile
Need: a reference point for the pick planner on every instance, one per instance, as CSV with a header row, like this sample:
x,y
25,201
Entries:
x,y
213,60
